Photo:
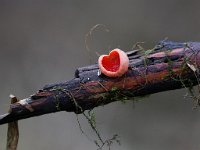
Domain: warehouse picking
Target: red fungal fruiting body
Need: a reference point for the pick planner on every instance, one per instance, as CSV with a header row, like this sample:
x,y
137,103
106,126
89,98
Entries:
x,y
115,64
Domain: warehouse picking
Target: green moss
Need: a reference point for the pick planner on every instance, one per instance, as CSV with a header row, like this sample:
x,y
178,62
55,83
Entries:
x,y
114,94
147,52
114,89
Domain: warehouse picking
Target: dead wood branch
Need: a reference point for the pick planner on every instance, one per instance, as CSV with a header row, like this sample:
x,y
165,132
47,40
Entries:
x,y
168,66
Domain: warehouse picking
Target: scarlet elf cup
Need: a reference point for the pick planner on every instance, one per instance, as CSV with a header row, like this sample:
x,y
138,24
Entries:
x,y
115,64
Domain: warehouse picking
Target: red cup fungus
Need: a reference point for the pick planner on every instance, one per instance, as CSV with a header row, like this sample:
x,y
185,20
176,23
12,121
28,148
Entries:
x,y
115,64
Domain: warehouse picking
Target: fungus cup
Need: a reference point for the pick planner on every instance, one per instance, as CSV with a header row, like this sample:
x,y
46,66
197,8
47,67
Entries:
x,y
115,64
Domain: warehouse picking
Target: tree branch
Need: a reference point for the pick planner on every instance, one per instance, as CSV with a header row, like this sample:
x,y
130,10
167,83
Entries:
x,y
168,66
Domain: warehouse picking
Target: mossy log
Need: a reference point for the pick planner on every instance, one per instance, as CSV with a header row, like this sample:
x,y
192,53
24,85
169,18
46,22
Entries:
x,y
168,66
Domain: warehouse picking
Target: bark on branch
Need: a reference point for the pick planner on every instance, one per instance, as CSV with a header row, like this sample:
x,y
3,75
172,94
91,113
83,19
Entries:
x,y
168,66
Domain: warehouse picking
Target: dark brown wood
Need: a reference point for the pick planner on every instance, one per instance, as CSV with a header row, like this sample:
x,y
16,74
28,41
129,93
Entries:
x,y
168,66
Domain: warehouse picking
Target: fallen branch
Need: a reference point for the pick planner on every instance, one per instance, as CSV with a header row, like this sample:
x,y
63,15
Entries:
x,y
168,66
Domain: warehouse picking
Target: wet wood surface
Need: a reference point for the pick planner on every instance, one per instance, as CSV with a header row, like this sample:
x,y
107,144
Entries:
x,y
168,66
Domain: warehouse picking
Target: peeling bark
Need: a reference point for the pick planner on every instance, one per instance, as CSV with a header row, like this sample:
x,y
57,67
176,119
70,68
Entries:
x,y
13,131
168,66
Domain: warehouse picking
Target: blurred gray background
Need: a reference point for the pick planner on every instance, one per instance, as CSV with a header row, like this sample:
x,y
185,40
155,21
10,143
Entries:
x,y
42,41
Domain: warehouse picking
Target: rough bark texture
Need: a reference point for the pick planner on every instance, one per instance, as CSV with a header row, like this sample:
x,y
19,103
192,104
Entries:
x,y
168,66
